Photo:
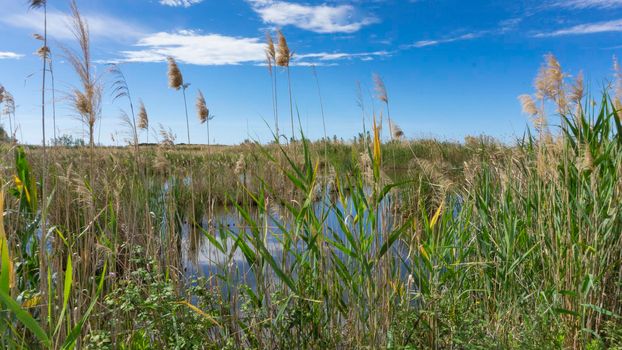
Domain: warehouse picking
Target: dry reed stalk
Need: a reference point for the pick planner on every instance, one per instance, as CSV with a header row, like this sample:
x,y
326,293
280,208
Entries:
x,y
283,59
35,4
381,94
143,119
204,118
121,89
87,101
271,62
176,81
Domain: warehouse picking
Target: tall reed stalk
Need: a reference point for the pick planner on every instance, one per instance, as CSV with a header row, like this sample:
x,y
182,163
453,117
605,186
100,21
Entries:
x,y
283,60
176,81
271,60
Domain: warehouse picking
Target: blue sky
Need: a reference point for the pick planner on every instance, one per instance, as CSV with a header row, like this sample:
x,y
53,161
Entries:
x,y
452,67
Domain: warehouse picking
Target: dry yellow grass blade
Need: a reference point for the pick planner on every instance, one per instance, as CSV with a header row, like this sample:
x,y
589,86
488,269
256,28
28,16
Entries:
x,y
377,154
437,214
200,312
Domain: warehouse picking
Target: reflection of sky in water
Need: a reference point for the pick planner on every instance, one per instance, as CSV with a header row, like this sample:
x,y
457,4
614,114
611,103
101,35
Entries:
x,y
201,255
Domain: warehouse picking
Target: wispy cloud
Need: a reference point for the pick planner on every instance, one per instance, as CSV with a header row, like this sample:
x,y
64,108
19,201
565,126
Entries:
x,y
322,58
9,55
319,18
588,28
101,26
424,43
178,3
584,4
193,47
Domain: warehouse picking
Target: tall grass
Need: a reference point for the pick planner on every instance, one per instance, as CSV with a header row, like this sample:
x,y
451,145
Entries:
x,y
410,244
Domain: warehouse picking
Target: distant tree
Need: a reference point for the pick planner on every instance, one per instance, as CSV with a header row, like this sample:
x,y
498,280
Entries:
x,y
67,141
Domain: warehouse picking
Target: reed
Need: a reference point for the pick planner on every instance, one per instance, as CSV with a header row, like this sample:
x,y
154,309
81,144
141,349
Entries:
x,y
176,81
283,59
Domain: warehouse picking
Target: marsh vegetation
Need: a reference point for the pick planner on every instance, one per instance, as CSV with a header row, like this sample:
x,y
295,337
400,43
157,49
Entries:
x,y
377,242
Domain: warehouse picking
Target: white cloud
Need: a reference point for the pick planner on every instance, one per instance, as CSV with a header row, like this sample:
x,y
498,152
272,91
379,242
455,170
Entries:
x,y
176,3
195,48
583,4
588,28
424,43
100,26
192,47
320,18
324,56
9,55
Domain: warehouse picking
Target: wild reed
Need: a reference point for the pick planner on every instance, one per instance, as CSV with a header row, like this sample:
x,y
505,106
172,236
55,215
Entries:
x,y
283,59
176,81
120,89
271,60
143,119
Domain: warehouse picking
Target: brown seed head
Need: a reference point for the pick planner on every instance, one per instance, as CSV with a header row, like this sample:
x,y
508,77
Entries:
x,y
550,79
577,92
175,79
381,89
528,105
284,55
202,111
143,118
36,3
396,131
43,52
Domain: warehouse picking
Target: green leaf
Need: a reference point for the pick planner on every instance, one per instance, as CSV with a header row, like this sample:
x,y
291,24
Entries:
x,y
25,318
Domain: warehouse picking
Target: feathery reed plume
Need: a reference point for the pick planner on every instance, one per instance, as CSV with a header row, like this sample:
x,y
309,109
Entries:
x,y
381,89
202,111
397,132
120,89
175,78
168,137
284,55
550,83
176,81
271,62
87,101
9,107
270,51
528,105
282,60
143,117
37,3
382,95
549,79
577,92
